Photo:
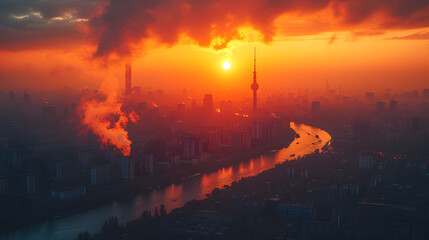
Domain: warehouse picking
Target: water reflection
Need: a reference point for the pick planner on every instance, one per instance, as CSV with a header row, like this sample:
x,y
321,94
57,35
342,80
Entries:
x,y
175,195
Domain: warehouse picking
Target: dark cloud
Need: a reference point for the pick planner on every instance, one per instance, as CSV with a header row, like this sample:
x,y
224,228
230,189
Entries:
x,y
414,36
42,23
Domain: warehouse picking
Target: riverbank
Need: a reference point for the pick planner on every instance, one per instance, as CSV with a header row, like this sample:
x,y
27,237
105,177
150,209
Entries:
x,y
215,210
144,184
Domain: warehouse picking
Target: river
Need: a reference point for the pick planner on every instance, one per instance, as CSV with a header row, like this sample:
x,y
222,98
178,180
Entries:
x,y
174,195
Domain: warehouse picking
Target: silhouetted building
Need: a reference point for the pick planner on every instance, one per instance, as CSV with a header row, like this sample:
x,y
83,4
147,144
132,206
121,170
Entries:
x,y
227,135
215,137
69,193
4,185
26,98
28,184
100,175
188,147
208,104
366,161
257,130
425,93
381,107
415,123
296,173
145,164
127,168
11,97
54,171
292,211
241,141
271,207
393,106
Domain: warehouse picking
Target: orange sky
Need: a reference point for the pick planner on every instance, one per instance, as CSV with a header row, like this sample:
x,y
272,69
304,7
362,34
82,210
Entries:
x,y
358,44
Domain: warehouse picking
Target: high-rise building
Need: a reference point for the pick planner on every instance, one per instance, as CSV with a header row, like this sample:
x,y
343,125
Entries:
x,y
145,163
254,85
127,79
100,175
257,130
381,107
208,103
415,123
127,168
426,93
393,106
227,133
29,184
11,97
188,146
26,98
54,171
241,141
215,137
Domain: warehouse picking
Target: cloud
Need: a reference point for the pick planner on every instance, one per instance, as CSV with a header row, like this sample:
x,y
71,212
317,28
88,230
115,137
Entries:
x,y
414,36
28,24
126,24
121,27
368,33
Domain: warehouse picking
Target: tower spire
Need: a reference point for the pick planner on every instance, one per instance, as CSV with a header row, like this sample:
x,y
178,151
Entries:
x,y
254,64
254,85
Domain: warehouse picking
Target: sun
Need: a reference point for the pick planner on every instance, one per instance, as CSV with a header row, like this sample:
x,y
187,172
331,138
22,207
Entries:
x,y
226,65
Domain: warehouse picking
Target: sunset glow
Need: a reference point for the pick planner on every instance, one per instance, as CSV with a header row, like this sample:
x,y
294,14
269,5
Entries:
x,y
72,48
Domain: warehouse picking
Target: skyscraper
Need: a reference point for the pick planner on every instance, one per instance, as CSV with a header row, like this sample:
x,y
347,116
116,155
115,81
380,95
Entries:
x,y
254,85
208,103
381,107
393,106
127,79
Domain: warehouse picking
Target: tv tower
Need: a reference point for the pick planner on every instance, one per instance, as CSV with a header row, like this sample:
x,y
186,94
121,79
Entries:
x,y
127,79
254,85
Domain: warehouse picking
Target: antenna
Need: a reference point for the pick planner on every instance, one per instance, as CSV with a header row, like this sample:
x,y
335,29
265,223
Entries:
x,y
254,64
254,59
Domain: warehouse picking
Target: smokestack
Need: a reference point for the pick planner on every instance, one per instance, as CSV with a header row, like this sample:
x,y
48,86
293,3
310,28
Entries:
x,y
127,79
